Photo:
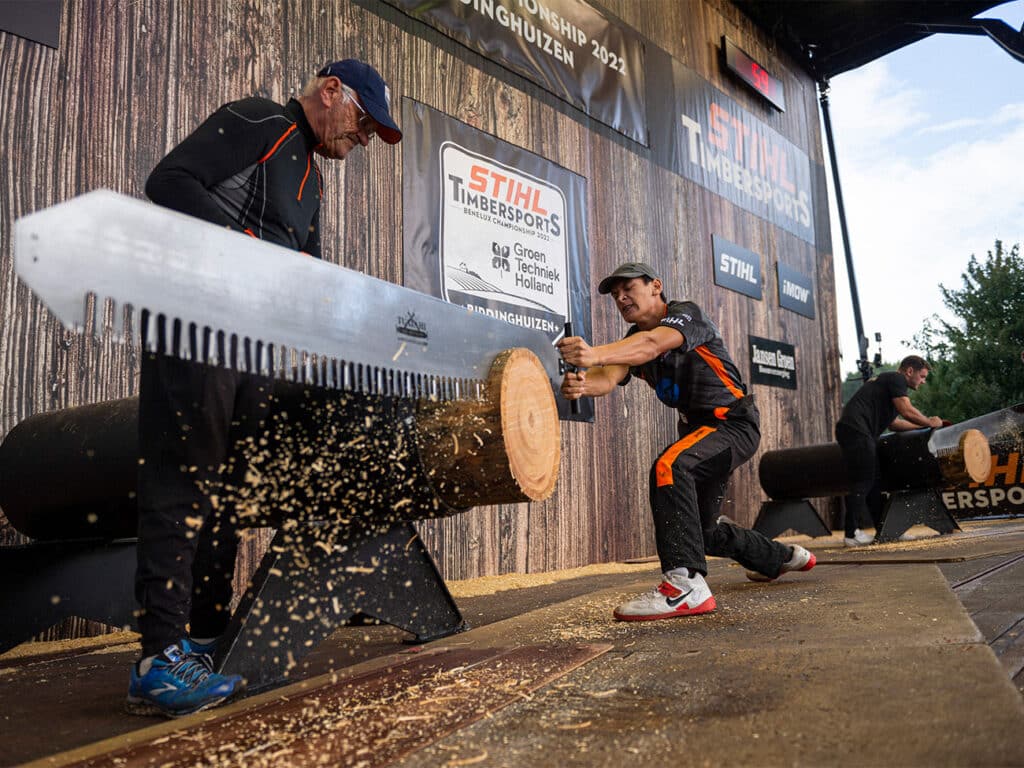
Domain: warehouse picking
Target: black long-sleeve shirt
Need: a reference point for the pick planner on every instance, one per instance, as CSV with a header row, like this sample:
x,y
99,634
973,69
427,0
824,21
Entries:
x,y
250,166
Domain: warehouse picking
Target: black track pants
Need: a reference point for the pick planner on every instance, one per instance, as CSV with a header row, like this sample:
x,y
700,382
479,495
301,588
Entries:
x,y
860,454
190,416
687,485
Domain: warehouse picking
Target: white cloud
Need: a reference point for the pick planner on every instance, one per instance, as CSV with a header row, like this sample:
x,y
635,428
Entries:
x,y
953,125
917,210
1006,114
869,107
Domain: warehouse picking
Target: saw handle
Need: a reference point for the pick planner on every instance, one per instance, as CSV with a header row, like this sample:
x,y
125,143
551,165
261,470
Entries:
x,y
574,405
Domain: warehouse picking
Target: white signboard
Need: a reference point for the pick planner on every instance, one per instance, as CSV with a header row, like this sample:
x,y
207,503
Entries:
x,y
504,249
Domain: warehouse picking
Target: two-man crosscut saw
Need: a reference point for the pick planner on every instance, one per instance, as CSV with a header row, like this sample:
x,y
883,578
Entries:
x,y
280,313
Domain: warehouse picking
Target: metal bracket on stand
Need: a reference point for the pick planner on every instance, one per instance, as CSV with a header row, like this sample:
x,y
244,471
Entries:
x,y
904,509
302,593
796,514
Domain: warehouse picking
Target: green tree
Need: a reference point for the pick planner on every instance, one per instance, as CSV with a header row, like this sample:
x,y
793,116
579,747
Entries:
x,y
855,381
977,363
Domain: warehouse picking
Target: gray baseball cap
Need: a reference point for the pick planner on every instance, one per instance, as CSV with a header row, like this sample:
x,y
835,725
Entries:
x,y
626,272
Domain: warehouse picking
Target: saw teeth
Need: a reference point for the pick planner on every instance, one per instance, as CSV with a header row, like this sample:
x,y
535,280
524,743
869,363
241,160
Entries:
x,y
132,326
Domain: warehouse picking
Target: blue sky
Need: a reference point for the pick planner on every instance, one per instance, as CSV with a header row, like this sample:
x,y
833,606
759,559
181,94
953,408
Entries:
x,y
930,141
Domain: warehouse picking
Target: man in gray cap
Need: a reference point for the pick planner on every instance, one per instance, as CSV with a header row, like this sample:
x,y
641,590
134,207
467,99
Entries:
x,y
679,352
250,167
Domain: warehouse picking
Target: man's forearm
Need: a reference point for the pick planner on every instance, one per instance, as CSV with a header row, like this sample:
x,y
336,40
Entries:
x,y
902,425
907,410
601,380
637,349
915,417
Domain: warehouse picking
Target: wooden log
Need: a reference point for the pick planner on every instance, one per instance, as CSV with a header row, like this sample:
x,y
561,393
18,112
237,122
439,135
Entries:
x,y
807,472
503,448
72,474
937,458
920,458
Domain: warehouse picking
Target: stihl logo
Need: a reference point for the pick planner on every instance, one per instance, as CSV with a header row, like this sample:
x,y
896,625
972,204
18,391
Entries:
x,y
499,186
410,326
682,320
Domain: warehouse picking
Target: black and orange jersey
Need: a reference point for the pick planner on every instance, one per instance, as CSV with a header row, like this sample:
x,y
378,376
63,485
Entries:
x,y
698,378
250,166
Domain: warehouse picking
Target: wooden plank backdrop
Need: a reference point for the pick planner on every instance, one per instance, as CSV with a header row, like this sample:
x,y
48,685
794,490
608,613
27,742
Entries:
x,y
133,77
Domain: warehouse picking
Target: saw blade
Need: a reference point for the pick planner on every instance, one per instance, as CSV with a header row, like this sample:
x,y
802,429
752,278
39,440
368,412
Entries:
x,y
222,297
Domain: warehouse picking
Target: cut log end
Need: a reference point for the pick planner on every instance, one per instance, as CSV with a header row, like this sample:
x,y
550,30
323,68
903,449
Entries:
x,y
977,455
529,424
502,449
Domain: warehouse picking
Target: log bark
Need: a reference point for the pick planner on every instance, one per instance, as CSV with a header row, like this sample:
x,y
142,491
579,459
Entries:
x,y
503,448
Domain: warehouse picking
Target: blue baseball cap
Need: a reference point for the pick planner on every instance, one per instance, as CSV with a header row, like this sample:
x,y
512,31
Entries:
x,y
373,93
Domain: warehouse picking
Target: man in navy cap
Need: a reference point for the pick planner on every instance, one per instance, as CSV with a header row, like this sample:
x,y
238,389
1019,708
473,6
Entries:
x,y
250,167
678,351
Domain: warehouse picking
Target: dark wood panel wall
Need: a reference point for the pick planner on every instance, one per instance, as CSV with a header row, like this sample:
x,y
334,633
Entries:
x,y
132,77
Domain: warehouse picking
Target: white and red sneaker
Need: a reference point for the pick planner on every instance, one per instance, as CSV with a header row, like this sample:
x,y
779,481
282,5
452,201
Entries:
x,y
675,596
800,560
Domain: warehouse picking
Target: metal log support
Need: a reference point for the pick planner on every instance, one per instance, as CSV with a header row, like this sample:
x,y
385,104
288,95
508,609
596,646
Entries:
x,y
344,547
48,581
913,466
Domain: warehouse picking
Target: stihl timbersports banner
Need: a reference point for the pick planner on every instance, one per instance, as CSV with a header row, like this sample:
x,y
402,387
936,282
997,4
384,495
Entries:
x,y
493,228
702,134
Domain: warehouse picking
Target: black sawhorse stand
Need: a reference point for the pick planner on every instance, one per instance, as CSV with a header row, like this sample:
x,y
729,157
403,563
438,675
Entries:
x,y
305,589
48,581
324,568
904,509
783,515
302,591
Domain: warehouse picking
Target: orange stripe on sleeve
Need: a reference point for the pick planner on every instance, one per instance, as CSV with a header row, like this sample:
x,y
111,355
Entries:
x,y
277,144
306,176
716,365
663,468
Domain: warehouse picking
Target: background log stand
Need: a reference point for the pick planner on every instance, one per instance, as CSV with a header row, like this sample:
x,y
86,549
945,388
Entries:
x,y
919,464
913,468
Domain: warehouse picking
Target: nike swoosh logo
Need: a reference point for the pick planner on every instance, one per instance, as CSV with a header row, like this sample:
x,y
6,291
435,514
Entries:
x,y
673,602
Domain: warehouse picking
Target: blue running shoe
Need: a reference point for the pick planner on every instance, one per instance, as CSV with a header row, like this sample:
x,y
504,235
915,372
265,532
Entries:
x,y
177,684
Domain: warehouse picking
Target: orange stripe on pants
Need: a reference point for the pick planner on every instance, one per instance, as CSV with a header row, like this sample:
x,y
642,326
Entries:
x,y
663,468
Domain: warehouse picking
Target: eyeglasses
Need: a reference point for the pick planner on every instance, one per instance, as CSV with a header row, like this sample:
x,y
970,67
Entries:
x,y
366,122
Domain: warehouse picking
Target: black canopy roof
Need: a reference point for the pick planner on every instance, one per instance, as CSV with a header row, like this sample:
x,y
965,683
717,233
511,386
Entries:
x,y
828,37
